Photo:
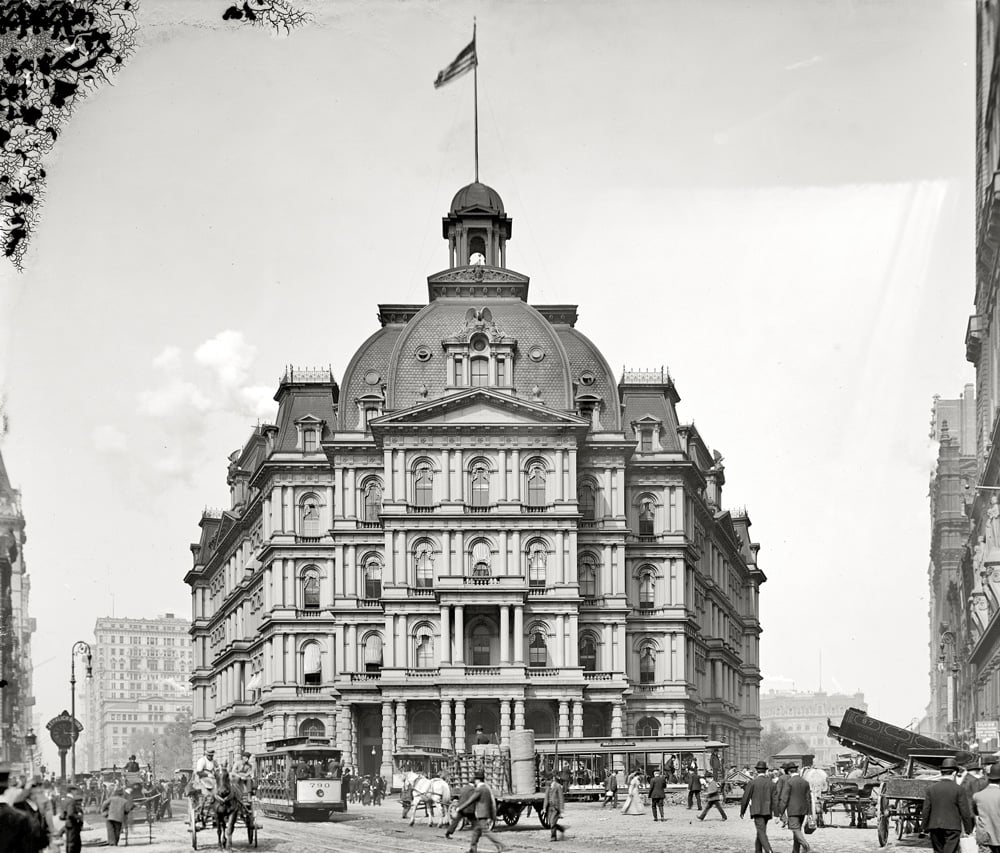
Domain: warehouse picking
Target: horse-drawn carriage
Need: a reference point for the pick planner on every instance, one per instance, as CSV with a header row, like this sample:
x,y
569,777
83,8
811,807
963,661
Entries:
x,y
854,796
909,762
220,802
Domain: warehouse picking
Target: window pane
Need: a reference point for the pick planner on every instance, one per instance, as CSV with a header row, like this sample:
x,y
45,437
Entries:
x,y
481,647
310,519
373,502
373,580
647,515
425,652
537,566
536,486
309,440
480,486
647,666
424,568
423,486
588,654
645,440
588,580
537,652
646,589
310,591
479,371
587,504
501,371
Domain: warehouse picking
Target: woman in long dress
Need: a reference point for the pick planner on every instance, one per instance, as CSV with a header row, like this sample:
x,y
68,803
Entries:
x,y
633,801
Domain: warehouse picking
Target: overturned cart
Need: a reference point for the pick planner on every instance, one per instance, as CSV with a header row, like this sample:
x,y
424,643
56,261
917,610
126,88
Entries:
x,y
907,763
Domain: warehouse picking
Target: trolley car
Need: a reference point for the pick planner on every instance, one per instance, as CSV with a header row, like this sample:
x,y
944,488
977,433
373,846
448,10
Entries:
x,y
429,760
300,778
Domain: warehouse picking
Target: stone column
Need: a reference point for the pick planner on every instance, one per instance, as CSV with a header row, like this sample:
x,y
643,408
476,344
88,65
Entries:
x,y
459,657
351,498
460,725
561,473
387,476
505,722
389,643
344,731
446,552
401,734
387,732
560,643
503,475
446,740
577,718
445,635
563,718
573,642
515,474
519,634
518,713
616,719
265,519
351,651
504,633
277,511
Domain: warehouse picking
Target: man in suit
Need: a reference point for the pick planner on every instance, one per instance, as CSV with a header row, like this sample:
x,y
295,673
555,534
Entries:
x,y
779,788
468,813
553,806
485,809
657,793
611,790
946,811
759,798
986,807
972,781
694,785
796,799
115,811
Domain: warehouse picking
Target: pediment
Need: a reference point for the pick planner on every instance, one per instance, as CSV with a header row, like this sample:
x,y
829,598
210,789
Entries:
x,y
479,407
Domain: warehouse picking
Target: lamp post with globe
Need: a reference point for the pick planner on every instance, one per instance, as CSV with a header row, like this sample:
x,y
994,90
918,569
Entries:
x,y
79,648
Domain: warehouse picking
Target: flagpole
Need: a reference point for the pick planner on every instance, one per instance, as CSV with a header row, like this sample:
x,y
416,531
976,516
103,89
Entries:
x,y
475,95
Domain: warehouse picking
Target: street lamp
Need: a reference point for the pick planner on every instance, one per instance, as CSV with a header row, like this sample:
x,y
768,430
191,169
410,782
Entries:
x,y
154,760
79,648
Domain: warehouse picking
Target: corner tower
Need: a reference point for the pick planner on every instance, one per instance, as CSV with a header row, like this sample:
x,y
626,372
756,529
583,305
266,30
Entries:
x,y
476,228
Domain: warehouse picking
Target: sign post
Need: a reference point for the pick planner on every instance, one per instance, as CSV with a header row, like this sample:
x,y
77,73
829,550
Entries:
x,y
64,731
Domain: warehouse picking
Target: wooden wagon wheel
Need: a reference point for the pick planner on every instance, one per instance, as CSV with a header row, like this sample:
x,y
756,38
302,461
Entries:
x,y
883,830
541,816
511,815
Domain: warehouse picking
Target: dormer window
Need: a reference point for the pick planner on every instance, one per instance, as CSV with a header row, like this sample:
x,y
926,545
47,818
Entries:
x,y
309,440
309,431
480,354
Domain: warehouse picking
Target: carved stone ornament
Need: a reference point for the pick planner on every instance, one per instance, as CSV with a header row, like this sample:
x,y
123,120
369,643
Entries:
x,y
479,273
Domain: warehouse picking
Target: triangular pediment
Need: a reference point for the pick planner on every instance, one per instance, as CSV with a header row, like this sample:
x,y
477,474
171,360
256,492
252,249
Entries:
x,y
479,406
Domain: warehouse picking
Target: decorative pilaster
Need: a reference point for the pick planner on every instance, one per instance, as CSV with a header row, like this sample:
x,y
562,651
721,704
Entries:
x,y
387,732
446,741
616,720
518,713
460,725
401,735
577,718
563,718
505,722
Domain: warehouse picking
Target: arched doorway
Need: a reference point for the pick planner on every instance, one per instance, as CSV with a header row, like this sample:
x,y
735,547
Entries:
x,y
540,717
369,729
595,721
485,714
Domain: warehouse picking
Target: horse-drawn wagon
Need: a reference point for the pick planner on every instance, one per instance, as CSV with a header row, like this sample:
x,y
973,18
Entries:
x,y
220,804
909,762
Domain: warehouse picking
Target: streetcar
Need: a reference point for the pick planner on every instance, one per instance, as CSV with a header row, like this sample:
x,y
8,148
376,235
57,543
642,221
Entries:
x,y
300,778
585,762
429,760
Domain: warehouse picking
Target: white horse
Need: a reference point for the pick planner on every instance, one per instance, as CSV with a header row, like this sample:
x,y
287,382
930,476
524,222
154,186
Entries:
x,y
816,777
431,794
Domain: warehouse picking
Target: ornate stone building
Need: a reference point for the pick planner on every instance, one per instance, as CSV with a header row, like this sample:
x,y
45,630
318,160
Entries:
x,y
479,526
16,628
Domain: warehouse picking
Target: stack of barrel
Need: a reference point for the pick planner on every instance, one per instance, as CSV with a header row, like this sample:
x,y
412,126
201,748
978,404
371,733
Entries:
x,y
507,770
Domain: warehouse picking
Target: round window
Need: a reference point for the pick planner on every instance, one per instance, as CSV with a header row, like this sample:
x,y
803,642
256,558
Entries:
x,y
423,354
536,353
372,377
479,343
587,378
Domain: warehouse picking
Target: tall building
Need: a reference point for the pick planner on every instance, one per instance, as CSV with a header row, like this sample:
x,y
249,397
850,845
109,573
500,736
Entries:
x,y
806,715
953,427
968,641
479,526
16,627
140,684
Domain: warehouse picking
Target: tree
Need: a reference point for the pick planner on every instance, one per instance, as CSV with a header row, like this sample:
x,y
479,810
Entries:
x,y
772,740
172,747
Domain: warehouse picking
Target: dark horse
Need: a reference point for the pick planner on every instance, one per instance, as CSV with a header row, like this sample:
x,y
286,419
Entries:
x,y
229,807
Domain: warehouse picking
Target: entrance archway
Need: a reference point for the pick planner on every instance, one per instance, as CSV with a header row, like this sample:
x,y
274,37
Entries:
x,y
483,713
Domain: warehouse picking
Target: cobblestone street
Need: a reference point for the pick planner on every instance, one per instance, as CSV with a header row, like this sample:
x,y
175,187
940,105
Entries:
x,y
380,830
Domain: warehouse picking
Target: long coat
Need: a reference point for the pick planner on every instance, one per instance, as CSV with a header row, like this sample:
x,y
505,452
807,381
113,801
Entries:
x,y
946,806
481,799
796,798
759,797
986,805
779,788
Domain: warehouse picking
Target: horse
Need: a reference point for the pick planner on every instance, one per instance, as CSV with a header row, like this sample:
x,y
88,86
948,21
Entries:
x,y
228,807
816,777
429,793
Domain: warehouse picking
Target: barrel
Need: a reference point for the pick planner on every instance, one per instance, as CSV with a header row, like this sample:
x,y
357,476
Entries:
x,y
522,761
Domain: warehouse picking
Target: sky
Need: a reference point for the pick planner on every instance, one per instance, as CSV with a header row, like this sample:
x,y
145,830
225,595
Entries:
x,y
774,199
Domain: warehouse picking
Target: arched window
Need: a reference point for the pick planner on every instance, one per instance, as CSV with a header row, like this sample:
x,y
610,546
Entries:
x,y
587,502
647,727
538,654
647,589
479,371
588,575
310,589
536,484
647,664
425,722
373,653
423,485
372,509
481,645
424,652
309,516
479,484
588,653
537,558
311,727
423,565
312,664
480,559
373,578
647,517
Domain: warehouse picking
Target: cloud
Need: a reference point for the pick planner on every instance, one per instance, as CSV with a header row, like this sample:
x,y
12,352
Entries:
x,y
108,438
805,63
169,359
175,400
229,355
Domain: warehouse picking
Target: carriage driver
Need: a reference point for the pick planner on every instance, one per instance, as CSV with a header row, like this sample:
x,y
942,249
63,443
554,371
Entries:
x,y
203,781
242,775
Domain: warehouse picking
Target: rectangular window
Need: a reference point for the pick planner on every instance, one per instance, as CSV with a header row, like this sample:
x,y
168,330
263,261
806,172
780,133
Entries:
x,y
501,371
459,373
479,371
646,440
309,440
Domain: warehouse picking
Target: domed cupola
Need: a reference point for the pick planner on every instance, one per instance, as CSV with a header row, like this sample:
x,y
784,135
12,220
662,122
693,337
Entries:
x,y
476,228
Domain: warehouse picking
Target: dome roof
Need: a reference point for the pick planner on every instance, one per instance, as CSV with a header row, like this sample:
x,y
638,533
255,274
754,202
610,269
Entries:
x,y
477,196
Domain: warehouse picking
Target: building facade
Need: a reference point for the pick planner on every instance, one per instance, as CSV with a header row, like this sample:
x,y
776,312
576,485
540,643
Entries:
x,y
140,684
806,716
480,526
16,627
953,427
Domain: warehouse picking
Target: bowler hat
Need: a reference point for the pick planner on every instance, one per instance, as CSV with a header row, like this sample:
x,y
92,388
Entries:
x,y
994,774
760,766
479,774
949,765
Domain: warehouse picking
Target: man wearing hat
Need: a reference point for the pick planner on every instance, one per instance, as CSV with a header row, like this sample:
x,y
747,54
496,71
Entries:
x,y
759,799
203,781
481,736
16,830
796,799
242,775
986,807
946,811
71,813
485,809
780,783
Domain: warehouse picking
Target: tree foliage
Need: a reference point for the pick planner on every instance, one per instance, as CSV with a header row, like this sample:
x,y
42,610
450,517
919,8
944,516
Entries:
x,y
773,739
172,747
